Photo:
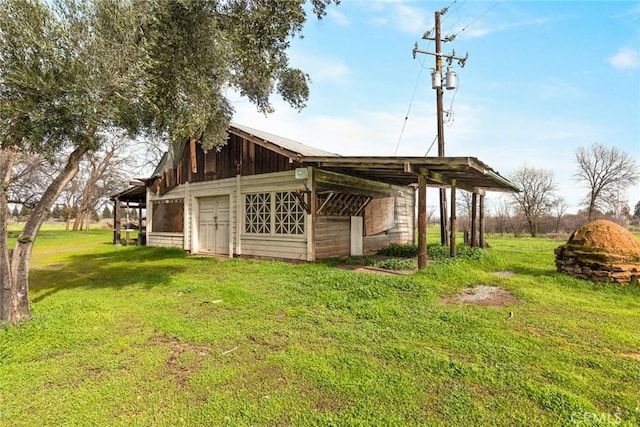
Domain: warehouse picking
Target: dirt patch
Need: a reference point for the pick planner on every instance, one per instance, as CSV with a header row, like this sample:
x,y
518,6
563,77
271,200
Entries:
x,y
484,295
374,270
176,365
632,356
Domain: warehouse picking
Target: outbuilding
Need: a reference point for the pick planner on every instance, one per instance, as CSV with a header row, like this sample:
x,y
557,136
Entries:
x,y
263,195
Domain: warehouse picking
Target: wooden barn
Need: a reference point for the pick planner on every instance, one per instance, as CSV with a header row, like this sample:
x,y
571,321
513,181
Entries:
x,y
256,196
263,195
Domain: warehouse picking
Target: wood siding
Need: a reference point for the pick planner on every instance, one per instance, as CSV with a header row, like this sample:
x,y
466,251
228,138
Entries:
x,y
404,228
238,157
333,236
241,243
243,167
379,215
172,240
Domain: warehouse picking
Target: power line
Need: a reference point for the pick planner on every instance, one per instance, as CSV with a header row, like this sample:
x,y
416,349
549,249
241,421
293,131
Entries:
x,y
475,20
449,112
451,10
435,138
406,117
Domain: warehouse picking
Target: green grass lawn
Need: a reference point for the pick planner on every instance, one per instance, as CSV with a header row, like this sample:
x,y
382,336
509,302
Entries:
x,y
149,336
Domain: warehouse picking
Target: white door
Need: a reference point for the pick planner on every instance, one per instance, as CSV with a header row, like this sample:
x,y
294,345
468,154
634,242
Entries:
x,y
214,225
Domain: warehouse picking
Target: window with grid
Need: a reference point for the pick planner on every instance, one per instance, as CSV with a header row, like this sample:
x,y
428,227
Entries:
x,y
289,214
257,218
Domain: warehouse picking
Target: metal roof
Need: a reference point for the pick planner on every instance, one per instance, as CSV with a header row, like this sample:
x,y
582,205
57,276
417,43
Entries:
x,y
467,173
295,147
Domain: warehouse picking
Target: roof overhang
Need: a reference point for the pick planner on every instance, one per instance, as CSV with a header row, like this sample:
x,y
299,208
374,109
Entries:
x,y
137,193
467,173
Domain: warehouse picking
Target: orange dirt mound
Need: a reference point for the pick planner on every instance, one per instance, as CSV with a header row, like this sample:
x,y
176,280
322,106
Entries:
x,y
607,236
601,251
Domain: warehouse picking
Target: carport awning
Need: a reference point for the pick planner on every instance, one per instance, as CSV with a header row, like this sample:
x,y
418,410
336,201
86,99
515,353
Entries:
x,y
135,194
467,173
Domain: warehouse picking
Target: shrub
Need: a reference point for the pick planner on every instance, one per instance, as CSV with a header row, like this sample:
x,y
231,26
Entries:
x,y
402,251
396,264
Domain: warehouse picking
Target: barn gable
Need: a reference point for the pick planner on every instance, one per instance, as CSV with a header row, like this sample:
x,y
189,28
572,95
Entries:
x,y
247,152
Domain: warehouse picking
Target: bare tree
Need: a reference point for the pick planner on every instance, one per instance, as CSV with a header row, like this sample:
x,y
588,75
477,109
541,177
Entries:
x,y
464,208
618,206
30,174
605,173
558,209
536,195
103,173
502,216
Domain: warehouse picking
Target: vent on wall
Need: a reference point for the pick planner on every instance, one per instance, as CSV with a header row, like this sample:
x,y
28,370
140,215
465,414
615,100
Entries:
x,y
341,204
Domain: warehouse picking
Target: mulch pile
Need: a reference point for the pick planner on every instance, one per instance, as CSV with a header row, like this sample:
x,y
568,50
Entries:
x,y
601,251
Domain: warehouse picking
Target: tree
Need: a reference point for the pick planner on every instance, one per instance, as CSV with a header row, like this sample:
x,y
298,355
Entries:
x,y
71,69
101,174
636,211
536,195
559,207
106,212
605,173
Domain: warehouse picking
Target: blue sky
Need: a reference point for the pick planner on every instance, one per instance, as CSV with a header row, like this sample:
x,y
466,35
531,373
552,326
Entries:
x,y
542,78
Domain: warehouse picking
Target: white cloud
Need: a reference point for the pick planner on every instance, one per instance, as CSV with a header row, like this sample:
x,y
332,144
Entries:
x,y
330,70
502,139
625,59
338,17
409,19
322,68
480,28
397,15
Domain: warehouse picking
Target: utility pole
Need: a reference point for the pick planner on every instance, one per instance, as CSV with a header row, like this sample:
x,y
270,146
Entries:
x,y
440,113
436,83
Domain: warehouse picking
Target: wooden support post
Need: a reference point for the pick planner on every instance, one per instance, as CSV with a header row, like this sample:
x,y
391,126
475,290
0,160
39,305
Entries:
x,y
452,240
116,221
481,226
422,222
126,227
474,220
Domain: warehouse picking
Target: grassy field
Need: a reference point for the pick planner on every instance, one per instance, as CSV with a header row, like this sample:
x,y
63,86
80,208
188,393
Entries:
x,y
143,336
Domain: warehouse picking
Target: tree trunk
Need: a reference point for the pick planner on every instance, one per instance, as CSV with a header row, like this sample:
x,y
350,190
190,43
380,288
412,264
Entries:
x,y
20,260
7,157
79,220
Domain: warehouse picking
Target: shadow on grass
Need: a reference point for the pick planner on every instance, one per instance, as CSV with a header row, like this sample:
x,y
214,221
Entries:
x,y
121,267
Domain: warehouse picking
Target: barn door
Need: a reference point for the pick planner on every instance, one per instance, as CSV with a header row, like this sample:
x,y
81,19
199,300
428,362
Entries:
x,y
214,225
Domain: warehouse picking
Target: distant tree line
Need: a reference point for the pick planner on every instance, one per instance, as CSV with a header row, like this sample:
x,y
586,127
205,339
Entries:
x,y
605,174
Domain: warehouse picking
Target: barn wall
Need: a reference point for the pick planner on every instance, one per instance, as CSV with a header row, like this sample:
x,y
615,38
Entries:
x,y
403,230
273,246
241,243
402,227
324,236
237,157
159,239
333,236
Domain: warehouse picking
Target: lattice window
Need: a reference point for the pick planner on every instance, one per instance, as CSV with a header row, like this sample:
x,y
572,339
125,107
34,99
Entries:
x,y
257,218
289,214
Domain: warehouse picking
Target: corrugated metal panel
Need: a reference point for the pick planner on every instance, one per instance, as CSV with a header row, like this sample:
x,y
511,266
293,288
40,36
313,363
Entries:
x,y
287,144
